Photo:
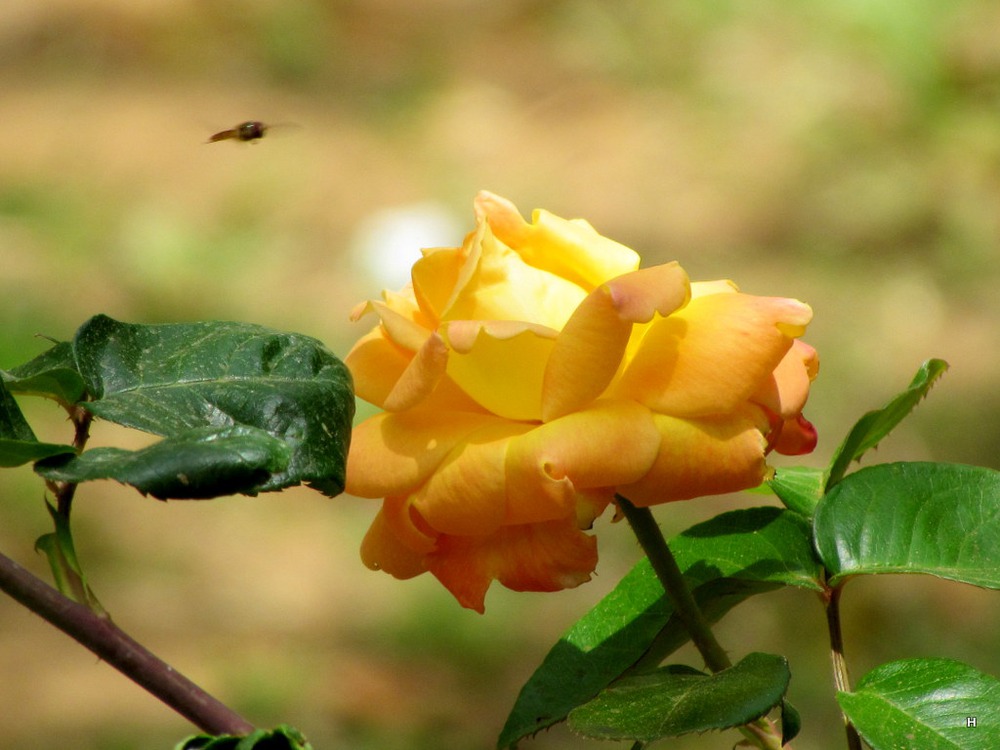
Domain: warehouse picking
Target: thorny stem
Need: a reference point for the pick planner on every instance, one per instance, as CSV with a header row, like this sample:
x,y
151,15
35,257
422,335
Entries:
x,y
841,677
64,491
761,732
118,649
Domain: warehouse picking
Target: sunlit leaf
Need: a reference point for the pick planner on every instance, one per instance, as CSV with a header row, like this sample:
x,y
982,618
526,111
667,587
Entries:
x,y
667,704
726,559
939,519
925,704
875,425
169,379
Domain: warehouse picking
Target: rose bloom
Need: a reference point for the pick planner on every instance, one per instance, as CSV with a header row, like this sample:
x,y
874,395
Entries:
x,y
530,374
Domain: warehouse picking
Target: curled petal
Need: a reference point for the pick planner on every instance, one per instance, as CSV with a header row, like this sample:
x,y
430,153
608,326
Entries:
x,y
467,493
537,557
571,250
399,328
613,442
500,364
393,454
381,549
711,356
590,347
707,456
796,437
421,376
376,365
786,391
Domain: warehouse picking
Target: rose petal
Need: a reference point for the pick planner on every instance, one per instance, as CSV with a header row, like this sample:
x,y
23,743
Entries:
x,y
467,493
393,454
536,557
786,391
589,349
421,376
381,549
711,356
569,249
707,456
796,437
500,365
610,443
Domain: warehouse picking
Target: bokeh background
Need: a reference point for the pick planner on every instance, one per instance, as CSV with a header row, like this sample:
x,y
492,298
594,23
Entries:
x,y
843,152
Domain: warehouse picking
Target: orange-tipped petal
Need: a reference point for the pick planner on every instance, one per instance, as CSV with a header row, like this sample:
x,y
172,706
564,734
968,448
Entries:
x,y
393,454
713,355
570,249
537,557
381,549
589,349
787,390
708,456
610,443
467,493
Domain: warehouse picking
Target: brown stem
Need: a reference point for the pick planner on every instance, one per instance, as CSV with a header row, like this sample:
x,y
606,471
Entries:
x,y
117,648
841,677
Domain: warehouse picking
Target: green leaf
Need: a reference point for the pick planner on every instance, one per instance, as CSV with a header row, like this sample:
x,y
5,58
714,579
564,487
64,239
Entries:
x,y
283,737
18,444
52,374
938,519
925,704
666,704
200,463
58,547
791,722
726,559
169,379
800,488
875,425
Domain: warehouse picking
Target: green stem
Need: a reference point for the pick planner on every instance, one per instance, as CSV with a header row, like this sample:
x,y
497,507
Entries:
x,y
647,531
760,732
841,677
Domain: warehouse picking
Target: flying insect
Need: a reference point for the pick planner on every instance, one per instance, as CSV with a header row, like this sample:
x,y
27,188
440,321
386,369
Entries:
x,y
251,130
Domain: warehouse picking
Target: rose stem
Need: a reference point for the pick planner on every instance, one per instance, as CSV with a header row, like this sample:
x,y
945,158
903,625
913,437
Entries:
x,y
651,539
841,677
116,647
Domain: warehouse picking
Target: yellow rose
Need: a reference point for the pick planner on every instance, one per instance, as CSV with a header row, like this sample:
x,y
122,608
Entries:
x,y
530,374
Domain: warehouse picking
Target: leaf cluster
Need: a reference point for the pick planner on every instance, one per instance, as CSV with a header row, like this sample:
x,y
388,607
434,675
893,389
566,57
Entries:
x,y
604,675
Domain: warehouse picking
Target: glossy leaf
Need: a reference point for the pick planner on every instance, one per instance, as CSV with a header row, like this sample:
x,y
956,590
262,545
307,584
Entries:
x,y
800,488
18,444
667,704
52,374
200,463
938,519
875,425
283,737
726,559
169,379
925,704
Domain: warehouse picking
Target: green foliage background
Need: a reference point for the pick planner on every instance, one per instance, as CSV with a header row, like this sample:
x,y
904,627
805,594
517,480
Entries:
x,y
845,153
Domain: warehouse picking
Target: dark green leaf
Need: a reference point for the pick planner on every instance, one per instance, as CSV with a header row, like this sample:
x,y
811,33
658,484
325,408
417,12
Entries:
x,y
168,379
666,704
18,444
726,560
200,463
939,519
791,722
52,373
875,425
926,704
800,488
283,737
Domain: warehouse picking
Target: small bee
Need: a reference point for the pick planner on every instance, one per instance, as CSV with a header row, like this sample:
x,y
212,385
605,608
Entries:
x,y
251,130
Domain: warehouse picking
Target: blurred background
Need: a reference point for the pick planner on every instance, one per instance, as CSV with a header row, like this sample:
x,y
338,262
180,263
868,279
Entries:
x,y
843,152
